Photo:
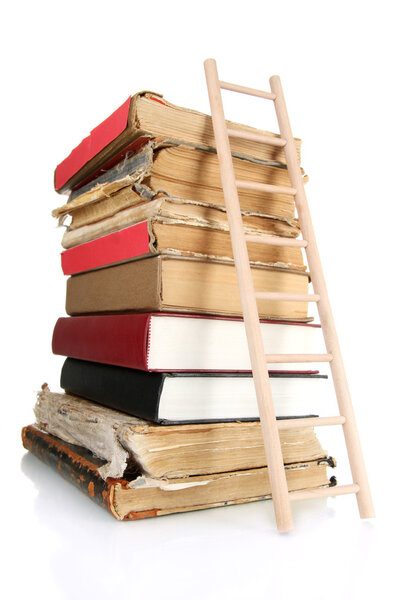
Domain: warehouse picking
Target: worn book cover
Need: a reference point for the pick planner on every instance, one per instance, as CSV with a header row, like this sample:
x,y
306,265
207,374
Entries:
x,y
159,170
138,497
143,117
176,238
127,207
129,444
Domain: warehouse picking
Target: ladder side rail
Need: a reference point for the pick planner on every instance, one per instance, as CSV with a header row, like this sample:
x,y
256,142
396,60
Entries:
x,y
270,432
352,440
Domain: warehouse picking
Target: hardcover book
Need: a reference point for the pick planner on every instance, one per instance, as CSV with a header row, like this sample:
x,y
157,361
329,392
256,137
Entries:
x,y
133,209
180,284
143,117
172,237
129,444
139,496
189,397
177,342
173,171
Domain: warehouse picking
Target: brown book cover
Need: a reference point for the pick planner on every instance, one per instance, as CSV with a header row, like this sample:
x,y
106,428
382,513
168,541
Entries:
x,y
177,284
141,497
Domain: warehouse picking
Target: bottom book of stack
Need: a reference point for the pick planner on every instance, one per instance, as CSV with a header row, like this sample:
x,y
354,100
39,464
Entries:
x,y
137,469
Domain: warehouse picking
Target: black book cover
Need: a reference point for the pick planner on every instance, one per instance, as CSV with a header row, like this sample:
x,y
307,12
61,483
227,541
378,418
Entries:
x,y
131,391
134,392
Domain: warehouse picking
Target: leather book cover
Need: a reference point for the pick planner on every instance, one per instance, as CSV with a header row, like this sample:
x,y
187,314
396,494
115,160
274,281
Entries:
x,y
80,467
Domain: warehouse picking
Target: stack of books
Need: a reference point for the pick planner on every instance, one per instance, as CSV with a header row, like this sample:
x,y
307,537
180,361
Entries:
x,y
159,413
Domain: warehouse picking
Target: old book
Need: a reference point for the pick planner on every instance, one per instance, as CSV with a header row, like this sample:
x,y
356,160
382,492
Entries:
x,y
165,209
177,342
141,496
172,237
129,444
143,117
175,171
178,284
190,397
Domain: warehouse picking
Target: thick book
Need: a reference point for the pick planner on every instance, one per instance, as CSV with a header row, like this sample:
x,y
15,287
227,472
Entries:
x,y
172,237
174,172
129,444
177,342
143,117
141,496
182,284
135,209
190,397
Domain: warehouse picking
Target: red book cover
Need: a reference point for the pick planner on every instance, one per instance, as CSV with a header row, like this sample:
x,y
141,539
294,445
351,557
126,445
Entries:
x,y
112,248
91,145
112,339
127,341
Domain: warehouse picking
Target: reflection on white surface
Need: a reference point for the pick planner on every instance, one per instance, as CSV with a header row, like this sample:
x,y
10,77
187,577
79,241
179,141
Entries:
x,y
233,552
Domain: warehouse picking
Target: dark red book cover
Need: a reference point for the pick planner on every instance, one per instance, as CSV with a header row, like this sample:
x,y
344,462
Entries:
x,y
123,340
116,247
111,339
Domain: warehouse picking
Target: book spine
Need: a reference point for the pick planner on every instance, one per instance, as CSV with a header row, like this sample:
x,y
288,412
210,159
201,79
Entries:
x,y
99,138
120,340
83,474
62,458
136,393
116,247
131,286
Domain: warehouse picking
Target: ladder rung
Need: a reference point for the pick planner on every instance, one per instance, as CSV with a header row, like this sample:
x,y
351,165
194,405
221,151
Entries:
x,y
287,297
257,137
338,490
265,187
309,422
232,87
294,358
273,240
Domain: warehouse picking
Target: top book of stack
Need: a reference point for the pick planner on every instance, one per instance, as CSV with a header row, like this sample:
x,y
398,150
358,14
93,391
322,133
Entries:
x,y
147,116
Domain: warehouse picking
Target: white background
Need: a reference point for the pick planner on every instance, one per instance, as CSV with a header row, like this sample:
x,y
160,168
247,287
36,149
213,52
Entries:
x,y
68,65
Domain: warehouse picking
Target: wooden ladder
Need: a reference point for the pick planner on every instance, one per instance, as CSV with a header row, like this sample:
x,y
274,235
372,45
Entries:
x,y
259,360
